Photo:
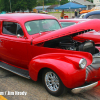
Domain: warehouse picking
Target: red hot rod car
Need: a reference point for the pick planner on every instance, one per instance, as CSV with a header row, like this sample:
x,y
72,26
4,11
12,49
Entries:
x,y
69,22
89,35
31,48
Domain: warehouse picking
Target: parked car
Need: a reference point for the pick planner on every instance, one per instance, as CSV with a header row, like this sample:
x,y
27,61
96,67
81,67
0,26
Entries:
x,y
44,12
3,12
81,15
93,15
91,35
68,22
31,48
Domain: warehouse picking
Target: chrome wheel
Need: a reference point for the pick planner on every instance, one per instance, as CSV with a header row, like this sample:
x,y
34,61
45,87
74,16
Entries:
x,y
52,81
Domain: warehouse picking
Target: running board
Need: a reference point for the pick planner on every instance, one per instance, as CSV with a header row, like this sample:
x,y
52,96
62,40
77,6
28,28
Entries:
x,y
15,70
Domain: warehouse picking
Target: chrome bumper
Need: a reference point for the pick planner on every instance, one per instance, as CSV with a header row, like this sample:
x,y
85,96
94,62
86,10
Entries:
x,y
84,88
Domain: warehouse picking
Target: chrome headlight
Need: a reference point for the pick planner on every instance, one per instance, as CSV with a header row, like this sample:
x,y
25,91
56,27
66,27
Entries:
x,y
82,63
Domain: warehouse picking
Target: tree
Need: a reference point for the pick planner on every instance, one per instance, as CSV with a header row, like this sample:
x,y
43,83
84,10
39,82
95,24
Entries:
x,y
4,5
31,4
39,2
90,1
17,5
51,2
63,2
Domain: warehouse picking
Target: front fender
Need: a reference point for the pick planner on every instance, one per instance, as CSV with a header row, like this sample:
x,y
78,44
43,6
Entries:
x,y
65,66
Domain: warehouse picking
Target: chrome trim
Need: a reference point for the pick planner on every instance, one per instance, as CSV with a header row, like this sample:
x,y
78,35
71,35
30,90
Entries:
x,y
96,66
96,56
84,88
96,60
88,44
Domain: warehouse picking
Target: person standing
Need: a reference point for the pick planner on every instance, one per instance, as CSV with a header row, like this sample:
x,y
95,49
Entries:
x,y
75,13
80,10
62,14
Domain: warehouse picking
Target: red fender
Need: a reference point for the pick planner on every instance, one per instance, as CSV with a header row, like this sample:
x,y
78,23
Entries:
x,y
65,66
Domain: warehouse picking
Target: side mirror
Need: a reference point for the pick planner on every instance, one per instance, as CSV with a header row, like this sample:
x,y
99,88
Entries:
x,y
18,36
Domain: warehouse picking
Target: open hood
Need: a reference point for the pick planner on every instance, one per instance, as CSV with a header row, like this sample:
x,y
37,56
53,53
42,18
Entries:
x,y
76,29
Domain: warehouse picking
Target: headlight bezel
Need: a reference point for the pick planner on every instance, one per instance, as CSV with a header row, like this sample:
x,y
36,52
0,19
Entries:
x,y
82,63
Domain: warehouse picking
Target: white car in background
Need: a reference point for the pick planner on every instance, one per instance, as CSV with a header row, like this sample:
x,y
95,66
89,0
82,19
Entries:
x,y
81,15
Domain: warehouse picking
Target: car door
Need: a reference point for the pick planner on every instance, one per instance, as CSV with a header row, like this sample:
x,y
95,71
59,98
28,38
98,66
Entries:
x,y
13,45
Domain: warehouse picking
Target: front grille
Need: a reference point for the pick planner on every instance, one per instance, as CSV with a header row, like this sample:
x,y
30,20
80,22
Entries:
x,y
93,69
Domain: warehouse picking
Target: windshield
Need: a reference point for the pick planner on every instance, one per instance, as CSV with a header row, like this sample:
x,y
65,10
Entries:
x,y
66,24
38,26
94,16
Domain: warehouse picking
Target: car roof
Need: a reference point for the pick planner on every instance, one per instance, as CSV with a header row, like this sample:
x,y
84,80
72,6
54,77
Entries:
x,y
92,13
24,17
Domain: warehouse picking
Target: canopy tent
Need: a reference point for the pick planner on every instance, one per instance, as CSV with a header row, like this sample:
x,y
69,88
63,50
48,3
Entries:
x,y
70,5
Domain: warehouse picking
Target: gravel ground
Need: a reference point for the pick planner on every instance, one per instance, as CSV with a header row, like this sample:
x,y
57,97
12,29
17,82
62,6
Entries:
x,y
10,82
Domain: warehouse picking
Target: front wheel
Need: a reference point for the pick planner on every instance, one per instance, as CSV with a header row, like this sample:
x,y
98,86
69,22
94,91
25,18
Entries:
x,y
52,83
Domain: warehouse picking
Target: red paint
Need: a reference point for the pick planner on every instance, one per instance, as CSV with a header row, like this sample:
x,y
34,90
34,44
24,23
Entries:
x,y
92,35
28,53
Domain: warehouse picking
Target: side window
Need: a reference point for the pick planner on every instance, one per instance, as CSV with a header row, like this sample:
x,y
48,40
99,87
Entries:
x,y
12,28
9,28
19,30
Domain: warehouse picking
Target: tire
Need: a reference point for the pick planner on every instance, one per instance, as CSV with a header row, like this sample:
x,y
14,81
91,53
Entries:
x,y
52,83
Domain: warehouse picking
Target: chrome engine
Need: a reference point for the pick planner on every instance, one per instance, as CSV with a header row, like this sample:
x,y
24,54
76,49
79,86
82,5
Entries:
x,y
87,46
68,43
